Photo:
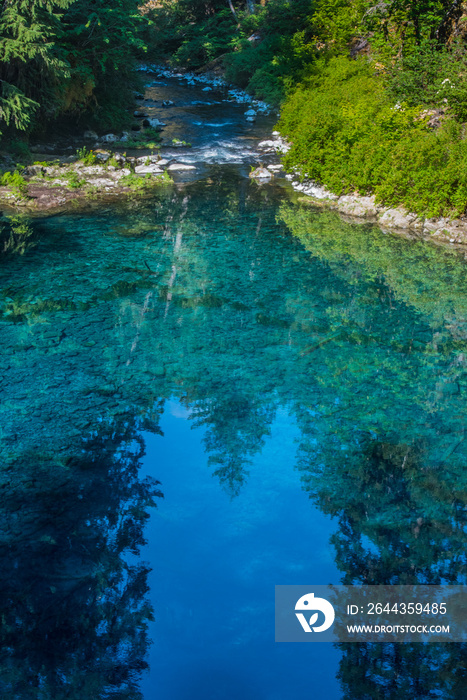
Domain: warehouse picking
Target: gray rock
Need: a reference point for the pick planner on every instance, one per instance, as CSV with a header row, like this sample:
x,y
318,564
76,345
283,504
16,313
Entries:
x,y
156,124
313,189
454,231
148,160
109,138
33,170
400,218
90,135
363,207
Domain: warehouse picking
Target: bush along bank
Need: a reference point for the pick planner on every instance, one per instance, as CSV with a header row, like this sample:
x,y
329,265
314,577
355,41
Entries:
x,y
382,113
404,166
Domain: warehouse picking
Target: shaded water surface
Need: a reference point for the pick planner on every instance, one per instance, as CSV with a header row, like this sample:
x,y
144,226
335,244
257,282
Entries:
x,y
295,383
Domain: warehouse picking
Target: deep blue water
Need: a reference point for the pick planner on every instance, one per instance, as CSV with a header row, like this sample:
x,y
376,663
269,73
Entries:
x,y
213,633
241,392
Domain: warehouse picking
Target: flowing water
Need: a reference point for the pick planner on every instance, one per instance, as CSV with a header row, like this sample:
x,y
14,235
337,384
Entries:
x,y
206,393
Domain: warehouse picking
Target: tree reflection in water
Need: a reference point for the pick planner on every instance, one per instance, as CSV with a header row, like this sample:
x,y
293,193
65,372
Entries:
x,y
203,295
74,609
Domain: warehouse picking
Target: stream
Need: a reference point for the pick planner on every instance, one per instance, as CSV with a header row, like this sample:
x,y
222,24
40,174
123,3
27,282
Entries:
x,y
208,392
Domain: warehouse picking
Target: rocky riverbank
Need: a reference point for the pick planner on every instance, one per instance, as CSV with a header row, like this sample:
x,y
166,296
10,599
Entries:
x,y
181,127
58,185
365,209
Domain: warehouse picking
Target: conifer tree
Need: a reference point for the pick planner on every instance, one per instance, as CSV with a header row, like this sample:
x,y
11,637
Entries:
x,y
31,66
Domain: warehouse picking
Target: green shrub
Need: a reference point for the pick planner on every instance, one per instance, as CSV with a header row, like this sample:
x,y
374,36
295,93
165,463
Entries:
x,y
87,157
16,182
348,134
74,181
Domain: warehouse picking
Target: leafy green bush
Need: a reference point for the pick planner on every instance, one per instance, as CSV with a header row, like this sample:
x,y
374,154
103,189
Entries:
x,y
16,182
87,157
74,181
348,134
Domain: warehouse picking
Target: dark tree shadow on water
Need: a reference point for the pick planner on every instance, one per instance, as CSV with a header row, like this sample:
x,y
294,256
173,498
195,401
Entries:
x,y
74,608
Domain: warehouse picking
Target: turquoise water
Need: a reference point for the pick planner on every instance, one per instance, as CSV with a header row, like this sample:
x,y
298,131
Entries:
x,y
297,386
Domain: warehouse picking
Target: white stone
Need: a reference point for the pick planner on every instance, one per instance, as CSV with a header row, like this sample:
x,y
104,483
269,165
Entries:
x,y
267,144
275,168
250,113
180,166
145,169
313,189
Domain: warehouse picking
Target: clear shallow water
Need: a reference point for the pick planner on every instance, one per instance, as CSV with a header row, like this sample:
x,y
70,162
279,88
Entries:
x,y
296,383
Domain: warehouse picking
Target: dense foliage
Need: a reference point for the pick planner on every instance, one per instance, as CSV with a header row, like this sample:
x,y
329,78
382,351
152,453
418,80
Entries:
x,y
62,57
382,109
349,134
263,48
